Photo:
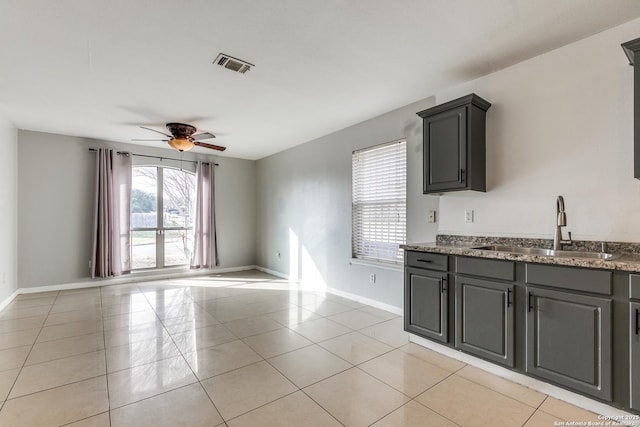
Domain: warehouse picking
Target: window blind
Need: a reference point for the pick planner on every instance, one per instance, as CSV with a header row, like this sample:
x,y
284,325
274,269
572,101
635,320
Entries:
x,y
379,196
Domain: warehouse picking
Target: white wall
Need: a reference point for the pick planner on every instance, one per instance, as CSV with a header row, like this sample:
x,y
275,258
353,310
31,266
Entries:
x,y
304,204
560,124
8,209
55,205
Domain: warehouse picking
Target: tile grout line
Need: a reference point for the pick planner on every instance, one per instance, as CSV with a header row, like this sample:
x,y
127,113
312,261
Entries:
x,y
501,393
106,369
86,418
236,369
185,361
432,386
323,408
28,354
434,411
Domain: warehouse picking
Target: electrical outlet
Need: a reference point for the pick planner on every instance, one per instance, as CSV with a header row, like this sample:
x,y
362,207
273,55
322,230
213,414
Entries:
x,y
468,216
432,217
372,278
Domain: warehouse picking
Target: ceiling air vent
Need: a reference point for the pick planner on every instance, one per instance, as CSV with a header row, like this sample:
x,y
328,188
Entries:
x,y
233,64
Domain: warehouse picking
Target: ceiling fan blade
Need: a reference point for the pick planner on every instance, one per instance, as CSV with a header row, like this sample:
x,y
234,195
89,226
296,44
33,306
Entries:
x,y
213,147
203,135
163,140
157,131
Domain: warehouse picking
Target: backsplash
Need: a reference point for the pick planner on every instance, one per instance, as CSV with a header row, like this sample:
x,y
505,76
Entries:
x,y
577,245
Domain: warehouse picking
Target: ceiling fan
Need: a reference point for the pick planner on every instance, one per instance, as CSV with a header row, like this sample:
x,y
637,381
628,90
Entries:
x,y
182,137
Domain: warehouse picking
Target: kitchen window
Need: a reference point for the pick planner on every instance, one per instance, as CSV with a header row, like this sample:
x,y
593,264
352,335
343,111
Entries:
x,y
379,202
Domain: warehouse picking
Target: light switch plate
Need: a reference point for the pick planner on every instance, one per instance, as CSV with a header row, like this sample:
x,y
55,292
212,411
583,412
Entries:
x,y
432,217
468,216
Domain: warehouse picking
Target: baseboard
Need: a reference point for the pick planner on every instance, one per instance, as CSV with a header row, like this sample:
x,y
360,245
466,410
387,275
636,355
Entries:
x,y
8,299
377,304
132,278
272,272
526,381
354,297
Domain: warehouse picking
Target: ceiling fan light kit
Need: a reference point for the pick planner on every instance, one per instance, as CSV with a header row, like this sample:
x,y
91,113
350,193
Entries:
x,y
181,144
182,137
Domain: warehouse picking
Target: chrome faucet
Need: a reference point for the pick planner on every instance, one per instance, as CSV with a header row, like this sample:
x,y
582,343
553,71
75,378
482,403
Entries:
x,y
562,222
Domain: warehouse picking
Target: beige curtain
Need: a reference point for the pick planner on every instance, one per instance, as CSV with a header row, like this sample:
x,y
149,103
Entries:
x,y
205,245
111,237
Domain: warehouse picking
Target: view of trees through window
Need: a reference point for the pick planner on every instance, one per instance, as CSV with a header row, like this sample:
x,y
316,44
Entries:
x,y
161,240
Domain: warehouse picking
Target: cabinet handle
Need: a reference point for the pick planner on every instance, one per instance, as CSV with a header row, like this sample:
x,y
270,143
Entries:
x,y
461,175
443,285
424,260
509,297
530,301
637,322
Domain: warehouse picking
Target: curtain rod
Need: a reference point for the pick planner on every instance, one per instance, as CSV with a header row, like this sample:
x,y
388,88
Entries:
x,y
156,157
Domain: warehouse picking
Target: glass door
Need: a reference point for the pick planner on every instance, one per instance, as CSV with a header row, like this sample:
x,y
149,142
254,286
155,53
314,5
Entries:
x,y
178,191
162,204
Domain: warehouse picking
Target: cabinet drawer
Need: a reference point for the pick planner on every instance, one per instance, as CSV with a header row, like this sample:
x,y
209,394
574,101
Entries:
x,y
634,286
578,279
495,269
426,260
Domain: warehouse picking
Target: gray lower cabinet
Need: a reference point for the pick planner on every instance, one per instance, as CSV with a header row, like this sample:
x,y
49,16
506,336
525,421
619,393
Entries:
x,y
569,340
634,323
484,319
426,303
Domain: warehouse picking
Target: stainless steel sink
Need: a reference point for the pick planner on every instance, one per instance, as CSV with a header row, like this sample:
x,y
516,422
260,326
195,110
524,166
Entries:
x,y
546,252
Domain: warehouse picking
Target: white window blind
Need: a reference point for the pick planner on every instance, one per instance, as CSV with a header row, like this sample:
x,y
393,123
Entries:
x,y
379,196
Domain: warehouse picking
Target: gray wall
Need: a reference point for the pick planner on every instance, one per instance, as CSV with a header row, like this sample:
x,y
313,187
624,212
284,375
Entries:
x,y
55,206
8,209
304,205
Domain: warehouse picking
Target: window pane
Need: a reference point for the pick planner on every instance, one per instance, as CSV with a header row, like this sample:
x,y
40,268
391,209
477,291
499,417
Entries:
x,y
177,247
379,176
143,249
144,204
178,198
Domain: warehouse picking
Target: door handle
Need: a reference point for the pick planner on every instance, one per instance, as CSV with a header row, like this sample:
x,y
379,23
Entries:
x,y
530,296
509,302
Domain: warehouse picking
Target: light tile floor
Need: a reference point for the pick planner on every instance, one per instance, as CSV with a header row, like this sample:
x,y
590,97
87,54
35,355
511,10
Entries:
x,y
239,349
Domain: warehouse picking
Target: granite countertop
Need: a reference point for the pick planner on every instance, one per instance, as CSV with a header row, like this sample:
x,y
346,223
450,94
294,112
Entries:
x,y
622,261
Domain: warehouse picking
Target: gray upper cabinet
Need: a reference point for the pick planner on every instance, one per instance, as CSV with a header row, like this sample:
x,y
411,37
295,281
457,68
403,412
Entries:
x,y
454,145
569,340
426,303
484,319
630,49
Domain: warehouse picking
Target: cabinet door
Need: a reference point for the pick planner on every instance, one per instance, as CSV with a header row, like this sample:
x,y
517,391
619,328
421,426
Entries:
x,y
445,150
634,323
569,340
484,319
426,303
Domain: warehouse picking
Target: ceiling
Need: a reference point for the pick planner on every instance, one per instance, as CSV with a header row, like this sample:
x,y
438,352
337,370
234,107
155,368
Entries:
x,y
100,69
